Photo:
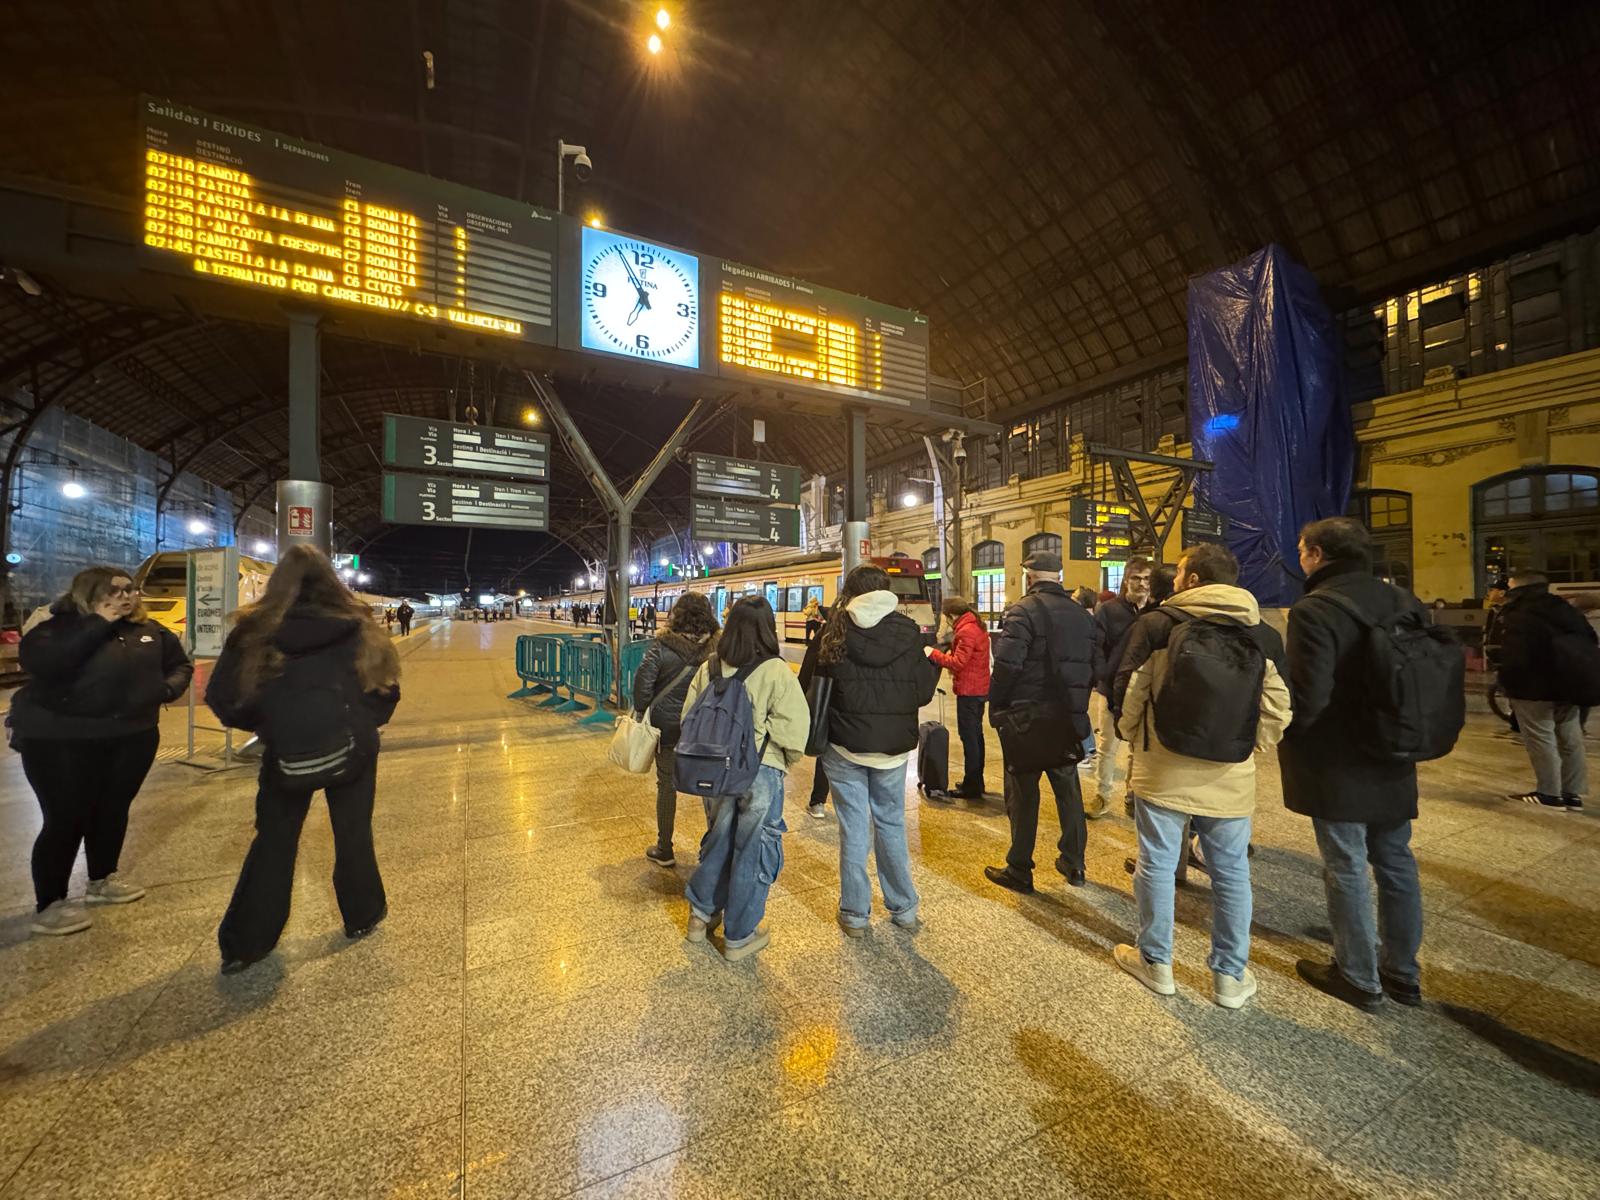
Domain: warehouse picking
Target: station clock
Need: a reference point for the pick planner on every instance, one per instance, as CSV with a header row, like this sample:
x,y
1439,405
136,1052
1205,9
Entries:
x,y
639,299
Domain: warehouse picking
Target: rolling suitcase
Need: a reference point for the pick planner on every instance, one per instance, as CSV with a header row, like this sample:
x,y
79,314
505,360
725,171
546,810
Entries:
x,y
933,756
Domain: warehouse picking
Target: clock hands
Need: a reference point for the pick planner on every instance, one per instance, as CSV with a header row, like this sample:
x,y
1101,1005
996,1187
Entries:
x,y
644,296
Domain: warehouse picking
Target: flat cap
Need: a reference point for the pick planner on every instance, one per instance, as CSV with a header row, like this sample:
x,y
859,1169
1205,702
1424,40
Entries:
x,y
1041,560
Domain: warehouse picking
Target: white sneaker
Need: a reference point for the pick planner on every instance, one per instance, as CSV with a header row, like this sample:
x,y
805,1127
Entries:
x,y
61,918
756,941
817,811
112,890
1230,992
698,928
1155,976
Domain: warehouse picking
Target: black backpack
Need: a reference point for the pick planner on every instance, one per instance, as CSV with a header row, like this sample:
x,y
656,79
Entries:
x,y
1209,702
1415,697
309,727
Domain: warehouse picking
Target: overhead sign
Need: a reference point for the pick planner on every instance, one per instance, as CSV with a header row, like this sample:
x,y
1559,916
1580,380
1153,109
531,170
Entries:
x,y
1086,513
484,503
741,479
213,593
246,206
481,449
736,521
1085,545
1203,525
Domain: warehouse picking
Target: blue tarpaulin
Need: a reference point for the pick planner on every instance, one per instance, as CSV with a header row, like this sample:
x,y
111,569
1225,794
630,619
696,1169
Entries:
x,y
1265,407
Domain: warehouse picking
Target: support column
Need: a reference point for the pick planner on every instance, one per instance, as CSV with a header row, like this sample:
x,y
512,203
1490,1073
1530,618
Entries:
x,y
855,545
305,503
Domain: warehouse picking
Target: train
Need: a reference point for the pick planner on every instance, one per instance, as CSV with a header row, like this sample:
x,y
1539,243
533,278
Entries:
x,y
788,584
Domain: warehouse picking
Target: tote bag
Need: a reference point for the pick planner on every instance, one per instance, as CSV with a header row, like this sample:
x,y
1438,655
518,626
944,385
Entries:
x,y
634,744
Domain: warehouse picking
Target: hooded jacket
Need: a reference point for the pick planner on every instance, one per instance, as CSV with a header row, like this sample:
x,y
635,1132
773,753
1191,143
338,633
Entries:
x,y
657,686
94,678
1196,785
879,685
1023,668
777,706
968,658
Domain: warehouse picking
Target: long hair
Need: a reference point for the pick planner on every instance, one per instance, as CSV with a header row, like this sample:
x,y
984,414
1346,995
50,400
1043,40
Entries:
x,y
955,605
91,585
305,580
691,616
865,578
750,635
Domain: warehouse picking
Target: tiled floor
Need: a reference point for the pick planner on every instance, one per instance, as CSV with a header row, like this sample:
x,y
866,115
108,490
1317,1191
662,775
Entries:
x,y
529,1021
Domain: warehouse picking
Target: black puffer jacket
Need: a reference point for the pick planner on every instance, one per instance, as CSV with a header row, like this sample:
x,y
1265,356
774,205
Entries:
x,y
1545,644
669,657
1327,769
94,678
1023,669
1112,621
330,642
884,678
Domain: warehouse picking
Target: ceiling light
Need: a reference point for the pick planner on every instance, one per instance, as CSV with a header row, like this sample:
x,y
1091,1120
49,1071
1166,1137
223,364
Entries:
x,y
665,561
663,18
909,500
197,526
708,549
654,43
530,416
595,220
263,547
363,578
73,490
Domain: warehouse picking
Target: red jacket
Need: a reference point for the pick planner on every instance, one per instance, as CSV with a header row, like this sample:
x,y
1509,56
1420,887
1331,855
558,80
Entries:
x,y
968,659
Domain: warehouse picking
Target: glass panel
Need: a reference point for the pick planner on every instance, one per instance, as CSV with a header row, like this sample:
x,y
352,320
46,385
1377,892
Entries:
x,y
814,592
930,559
771,590
792,602
1572,555
988,554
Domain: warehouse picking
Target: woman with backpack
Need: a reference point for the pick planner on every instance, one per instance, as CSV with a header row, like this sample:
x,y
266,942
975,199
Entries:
x,y
881,676
308,669
87,726
744,708
659,689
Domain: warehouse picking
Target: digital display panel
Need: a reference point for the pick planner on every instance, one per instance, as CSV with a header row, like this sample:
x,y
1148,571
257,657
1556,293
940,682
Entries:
x,y
748,524
484,503
1082,512
480,449
261,210
743,479
1085,545
639,299
775,327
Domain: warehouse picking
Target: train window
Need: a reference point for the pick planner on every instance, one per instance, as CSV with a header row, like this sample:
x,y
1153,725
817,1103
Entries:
x,y
906,585
814,592
792,600
770,588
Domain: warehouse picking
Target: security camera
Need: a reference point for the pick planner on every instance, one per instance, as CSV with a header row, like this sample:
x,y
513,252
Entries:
x,y
582,167
958,451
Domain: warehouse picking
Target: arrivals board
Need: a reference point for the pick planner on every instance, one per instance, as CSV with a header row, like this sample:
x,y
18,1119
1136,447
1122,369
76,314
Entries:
x,y
483,503
1084,545
1201,524
737,521
744,479
774,327
245,206
1084,513
480,449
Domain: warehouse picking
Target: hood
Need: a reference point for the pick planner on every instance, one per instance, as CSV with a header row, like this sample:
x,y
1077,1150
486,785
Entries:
x,y
689,647
869,608
306,632
1218,600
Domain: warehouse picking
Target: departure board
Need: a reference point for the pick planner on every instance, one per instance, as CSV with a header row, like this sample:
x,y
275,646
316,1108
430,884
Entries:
x,y
485,503
775,327
261,210
747,524
480,449
745,479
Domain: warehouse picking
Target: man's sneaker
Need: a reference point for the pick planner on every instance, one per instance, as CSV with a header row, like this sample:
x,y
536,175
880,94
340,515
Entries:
x,y
1573,803
855,931
1401,992
1087,763
1541,800
1328,979
818,812
662,857
1230,992
112,890
755,942
1097,807
1155,976
1004,877
698,928
61,918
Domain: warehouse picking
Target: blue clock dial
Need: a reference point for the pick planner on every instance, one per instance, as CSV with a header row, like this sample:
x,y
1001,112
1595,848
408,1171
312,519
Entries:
x,y
640,299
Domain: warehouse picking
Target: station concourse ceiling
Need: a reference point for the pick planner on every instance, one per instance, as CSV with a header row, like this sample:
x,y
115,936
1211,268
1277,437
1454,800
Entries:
x,y
1041,179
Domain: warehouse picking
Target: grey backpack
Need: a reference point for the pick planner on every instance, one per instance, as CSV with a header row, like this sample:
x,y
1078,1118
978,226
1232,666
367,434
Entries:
x,y
716,754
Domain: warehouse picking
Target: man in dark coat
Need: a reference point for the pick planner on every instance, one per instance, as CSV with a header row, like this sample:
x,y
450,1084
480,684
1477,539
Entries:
x,y
1549,667
1360,806
1025,670
1113,620
404,614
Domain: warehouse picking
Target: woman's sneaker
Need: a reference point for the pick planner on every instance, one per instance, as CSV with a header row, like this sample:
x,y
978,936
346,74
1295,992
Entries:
x,y
817,811
755,942
1155,976
61,918
698,928
112,890
661,857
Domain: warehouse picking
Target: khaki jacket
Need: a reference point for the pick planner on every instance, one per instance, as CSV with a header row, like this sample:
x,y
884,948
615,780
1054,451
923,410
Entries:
x,y
777,704
1194,785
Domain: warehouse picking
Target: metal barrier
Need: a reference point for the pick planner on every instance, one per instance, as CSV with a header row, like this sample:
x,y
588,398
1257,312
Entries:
x,y
539,665
586,671
632,656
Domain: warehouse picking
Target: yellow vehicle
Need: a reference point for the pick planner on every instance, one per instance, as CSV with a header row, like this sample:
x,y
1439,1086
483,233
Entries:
x,y
164,581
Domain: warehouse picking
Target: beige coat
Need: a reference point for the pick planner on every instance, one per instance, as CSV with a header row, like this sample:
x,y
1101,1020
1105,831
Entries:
x,y
777,704
1194,785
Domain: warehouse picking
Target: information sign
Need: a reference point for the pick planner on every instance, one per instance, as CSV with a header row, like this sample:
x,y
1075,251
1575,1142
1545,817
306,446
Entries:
x,y
481,449
213,593
736,521
742,479
1086,513
1203,525
485,503
1085,545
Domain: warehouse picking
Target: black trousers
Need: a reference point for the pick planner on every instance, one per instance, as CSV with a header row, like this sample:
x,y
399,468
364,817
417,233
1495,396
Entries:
x,y
260,906
405,626
1022,806
969,724
819,784
85,787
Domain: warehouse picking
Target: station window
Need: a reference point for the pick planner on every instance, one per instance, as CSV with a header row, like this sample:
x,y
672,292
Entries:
x,y
1042,543
1545,520
1387,515
933,577
989,580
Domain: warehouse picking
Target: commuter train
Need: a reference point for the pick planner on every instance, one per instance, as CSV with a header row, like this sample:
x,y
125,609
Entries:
x,y
787,584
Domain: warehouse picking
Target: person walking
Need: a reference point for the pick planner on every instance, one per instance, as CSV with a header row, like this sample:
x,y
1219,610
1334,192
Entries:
x,y
1549,668
308,670
659,689
87,724
404,614
1361,805
812,612
881,678
1197,710
968,663
388,617
1046,655
742,852
1113,620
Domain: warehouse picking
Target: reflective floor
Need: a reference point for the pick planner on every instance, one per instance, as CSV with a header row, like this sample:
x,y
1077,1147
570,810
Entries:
x,y
529,1021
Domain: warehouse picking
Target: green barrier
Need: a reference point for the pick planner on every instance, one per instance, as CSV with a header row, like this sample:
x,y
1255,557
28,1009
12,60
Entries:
x,y
539,665
586,671
632,656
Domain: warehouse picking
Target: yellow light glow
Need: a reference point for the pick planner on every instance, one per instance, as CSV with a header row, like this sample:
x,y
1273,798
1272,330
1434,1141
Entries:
x,y
663,18
801,345
594,220
654,43
530,416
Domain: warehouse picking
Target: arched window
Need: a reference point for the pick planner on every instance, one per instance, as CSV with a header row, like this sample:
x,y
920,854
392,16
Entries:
x,y
1042,543
1546,519
1387,513
989,580
933,577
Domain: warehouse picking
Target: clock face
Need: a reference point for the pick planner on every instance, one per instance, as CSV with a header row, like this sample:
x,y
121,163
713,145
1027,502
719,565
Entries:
x,y
640,299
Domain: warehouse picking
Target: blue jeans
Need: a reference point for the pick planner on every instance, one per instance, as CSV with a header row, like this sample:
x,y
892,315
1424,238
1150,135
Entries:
x,y
871,803
1225,841
1347,849
740,857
